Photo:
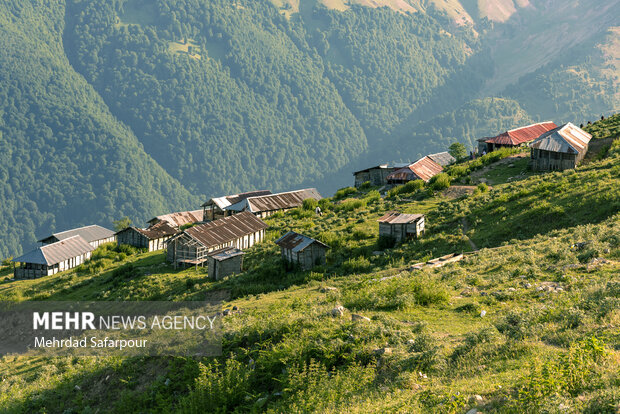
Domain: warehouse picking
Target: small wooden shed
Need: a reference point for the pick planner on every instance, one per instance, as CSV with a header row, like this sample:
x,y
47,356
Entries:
x,y
560,149
302,250
152,238
423,169
224,262
401,226
377,175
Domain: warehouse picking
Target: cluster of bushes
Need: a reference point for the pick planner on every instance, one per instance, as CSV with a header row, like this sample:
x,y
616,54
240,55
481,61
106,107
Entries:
x,y
461,170
344,192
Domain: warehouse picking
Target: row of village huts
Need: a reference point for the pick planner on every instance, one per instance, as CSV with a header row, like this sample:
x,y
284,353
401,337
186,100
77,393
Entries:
x,y
216,236
552,148
218,233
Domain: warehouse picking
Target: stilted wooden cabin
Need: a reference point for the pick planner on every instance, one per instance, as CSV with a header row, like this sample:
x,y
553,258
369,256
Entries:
x,y
401,226
215,208
52,258
301,250
178,220
95,235
560,149
515,137
225,262
377,176
266,205
152,238
193,245
423,169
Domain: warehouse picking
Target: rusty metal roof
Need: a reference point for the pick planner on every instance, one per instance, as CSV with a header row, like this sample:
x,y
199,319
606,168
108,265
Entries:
x,y
522,135
54,253
567,139
297,242
156,231
225,230
442,158
88,233
225,201
394,217
225,253
277,201
179,219
423,169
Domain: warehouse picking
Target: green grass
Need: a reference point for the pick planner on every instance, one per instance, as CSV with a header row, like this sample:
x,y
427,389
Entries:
x,y
549,335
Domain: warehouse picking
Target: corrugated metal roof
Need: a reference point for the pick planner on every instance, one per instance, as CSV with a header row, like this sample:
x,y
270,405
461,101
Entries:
x,y
522,135
392,166
277,201
89,233
423,169
179,219
226,229
156,231
442,158
297,242
394,217
54,253
225,253
225,201
567,139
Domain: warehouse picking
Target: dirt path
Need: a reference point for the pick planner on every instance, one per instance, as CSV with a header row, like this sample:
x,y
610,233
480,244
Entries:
x,y
465,230
478,176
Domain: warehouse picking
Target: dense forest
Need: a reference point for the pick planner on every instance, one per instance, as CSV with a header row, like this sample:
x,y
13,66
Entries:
x,y
135,107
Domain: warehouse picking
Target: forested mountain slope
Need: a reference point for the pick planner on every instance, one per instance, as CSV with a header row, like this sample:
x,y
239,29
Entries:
x,y
222,96
64,159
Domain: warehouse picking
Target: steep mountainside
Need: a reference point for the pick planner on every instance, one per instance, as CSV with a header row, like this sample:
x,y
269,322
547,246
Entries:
x,y
211,97
64,159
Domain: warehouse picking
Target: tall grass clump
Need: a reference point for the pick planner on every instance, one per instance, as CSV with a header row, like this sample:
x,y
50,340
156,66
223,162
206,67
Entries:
x,y
344,192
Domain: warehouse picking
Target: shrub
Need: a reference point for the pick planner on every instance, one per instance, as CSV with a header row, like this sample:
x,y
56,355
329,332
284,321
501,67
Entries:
x,y
326,204
126,271
310,204
365,185
344,192
7,261
372,197
350,205
483,187
439,182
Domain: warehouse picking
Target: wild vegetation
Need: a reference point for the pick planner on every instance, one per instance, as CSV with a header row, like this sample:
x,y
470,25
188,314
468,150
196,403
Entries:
x,y
136,108
529,322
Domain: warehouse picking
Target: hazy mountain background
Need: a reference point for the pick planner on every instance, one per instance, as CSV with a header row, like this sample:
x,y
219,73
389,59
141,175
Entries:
x,y
139,107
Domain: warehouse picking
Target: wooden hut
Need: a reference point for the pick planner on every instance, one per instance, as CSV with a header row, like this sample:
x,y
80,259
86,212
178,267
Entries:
x,y
515,137
377,176
301,250
225,262
193,245
95,235
423,169
401,226
152,238
266,205
215,208
52,258
179,219
560,149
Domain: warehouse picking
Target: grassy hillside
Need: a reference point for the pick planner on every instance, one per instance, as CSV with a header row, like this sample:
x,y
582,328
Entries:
x,y
64,159
527,324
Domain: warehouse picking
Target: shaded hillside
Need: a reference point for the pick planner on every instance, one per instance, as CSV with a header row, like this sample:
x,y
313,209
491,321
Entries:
x,y
530,326
65,160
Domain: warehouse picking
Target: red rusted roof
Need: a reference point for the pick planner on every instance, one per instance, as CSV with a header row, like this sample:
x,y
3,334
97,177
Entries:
x,y
394,217
522,135
423,169
226,229
179,219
